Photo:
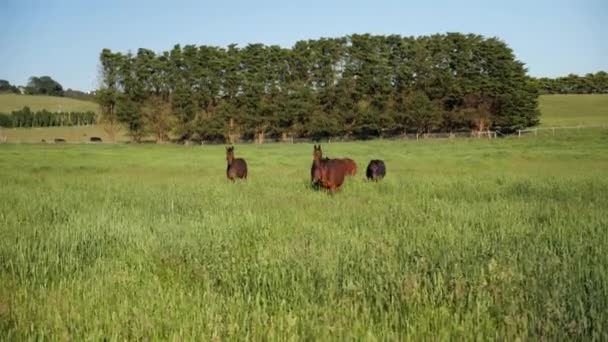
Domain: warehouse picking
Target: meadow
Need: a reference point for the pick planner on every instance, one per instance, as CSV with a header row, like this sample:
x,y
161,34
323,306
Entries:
x,y
467,239
11,102
573,110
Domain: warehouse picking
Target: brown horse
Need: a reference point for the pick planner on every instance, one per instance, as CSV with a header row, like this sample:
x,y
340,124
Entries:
x,y
317,154
350,165
237,167
329,173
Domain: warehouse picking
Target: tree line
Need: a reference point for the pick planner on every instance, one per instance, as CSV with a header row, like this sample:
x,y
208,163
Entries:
x,y
592,83
6,88
44,85
27,118
358,86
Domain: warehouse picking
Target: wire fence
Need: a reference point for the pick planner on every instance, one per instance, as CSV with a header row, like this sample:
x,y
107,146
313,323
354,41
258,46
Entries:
x,y
487,134
335,139
553,130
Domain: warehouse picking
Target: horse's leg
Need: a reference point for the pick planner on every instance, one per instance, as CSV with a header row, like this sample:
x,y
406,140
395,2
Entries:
x,y
327,185
333,185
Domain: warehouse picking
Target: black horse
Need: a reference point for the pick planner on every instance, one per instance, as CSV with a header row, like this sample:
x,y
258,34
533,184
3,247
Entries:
x,y
237,167
376,170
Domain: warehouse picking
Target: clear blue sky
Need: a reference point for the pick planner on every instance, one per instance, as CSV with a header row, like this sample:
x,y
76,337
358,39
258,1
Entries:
x,y
63,38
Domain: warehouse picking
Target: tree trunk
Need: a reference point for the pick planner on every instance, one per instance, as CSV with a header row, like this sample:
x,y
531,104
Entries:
x,y
261,136
110,129
231,134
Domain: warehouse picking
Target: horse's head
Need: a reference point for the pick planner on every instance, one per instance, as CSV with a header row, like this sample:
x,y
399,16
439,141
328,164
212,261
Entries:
x,y
317,154
229,154
317,174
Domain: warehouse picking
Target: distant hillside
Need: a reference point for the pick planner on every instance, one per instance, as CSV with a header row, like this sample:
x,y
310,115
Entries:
x,y
573,110
10,102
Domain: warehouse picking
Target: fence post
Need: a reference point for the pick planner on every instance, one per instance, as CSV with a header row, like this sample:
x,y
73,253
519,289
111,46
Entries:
x,y
553,129
519,133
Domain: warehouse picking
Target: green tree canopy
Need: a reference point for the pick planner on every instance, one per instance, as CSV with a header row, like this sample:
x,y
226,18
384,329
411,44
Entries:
x,y
358,85
7,87
44,85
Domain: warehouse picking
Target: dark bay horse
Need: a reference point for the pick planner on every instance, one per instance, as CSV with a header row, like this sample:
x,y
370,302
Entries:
x,y
329,173
376,170
237,167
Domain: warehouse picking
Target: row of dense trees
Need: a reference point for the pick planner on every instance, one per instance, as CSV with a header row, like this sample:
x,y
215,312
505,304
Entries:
x,y
573,84
359,85
27,118
79,95
7,87
44,85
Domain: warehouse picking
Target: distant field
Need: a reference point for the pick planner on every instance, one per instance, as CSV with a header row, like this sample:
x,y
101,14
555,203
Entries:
x,y
10,102
464,240
573,110
76,134
556,110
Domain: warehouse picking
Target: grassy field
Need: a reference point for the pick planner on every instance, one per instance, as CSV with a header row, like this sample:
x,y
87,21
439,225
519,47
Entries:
x,y
10,102
573,110
75,134
467,239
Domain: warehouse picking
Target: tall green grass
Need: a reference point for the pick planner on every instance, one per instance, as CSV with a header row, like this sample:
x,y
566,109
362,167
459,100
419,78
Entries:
x,y
467,239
